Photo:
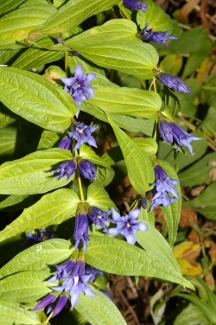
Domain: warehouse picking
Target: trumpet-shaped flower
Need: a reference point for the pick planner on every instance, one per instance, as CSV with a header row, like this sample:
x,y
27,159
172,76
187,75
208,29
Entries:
x,y
82,134
99,217
173,82
67,168
135,5
147,34
81,230
87,169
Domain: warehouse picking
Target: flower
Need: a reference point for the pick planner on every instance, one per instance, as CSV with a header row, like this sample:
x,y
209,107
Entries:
x,y
38,236
62,270
133,4
157,37
163,185
128,225
45,302
170,131
99,217
78,86
76,282
83,134
144,202
65,143
173,82
67,168
93,271
81,230
87,169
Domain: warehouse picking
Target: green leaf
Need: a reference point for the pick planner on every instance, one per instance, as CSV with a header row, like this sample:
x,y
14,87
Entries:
x,y
156,246
192,175
9,5
13,313
89,154
23,287
104,175
51,209
98,196
172,64
155,17
140,169
6,116
130,56
36,99
172,212
72,14
35,57
149,145
191,315
38,256
31,174
118,257
99,310
132,124
16,25
10,142
12,200
136,102
48,139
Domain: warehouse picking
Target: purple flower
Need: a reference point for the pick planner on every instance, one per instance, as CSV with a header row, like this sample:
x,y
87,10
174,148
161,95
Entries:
x,y
128,225
65,143
173,82
38,236
163,185
83,134
78,86
99,217
170,131
67,168
81,230
61,302
76,282
49,299
59,39
93,271
157,37
62,270
144,202
135,5
87,169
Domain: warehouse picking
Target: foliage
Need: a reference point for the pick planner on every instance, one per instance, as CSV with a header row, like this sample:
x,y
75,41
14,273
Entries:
x,y
73,72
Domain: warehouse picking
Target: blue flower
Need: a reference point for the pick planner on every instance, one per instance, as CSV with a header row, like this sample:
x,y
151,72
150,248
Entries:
x,y
87,169
78,86
65,143
90,270
62,270
144,202
135,5
67,168
128,225
38,236
170,131
76,283
173,82
81,230
49,301
83,134
99,217
163,185
157,37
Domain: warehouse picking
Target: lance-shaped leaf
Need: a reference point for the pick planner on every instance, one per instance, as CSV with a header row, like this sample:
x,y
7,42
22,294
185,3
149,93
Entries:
x,y
130,56
14,313
32,174
136,102
99,309
38,256
72,14
89,154
98,196
24,287
36,99
116,256
9,5
16,25
51,209
140,169
172,212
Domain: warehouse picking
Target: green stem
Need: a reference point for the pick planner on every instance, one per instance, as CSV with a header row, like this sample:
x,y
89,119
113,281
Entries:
x,y
66,64
122,9
79,180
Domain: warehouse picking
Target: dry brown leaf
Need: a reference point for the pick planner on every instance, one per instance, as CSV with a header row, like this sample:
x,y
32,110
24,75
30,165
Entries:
x,y
187,216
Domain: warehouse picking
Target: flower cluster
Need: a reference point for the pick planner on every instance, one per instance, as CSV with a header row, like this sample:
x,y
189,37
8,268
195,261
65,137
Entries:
x,y
171,132
135,5
173,82
73,280
68,167
147,34
78,86
163,187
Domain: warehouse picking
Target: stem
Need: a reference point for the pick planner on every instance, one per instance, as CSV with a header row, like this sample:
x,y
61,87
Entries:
x,y
66,64
79,180
122,9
